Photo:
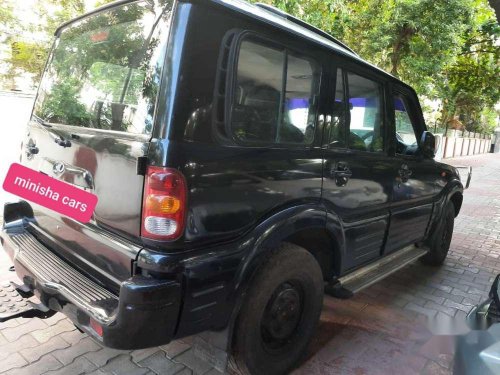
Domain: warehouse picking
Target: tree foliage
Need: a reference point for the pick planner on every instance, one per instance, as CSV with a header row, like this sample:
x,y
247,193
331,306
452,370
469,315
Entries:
x,y
28,54
446,49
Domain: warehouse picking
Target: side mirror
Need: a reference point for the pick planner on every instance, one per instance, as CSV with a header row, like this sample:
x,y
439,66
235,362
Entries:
x,y
428,144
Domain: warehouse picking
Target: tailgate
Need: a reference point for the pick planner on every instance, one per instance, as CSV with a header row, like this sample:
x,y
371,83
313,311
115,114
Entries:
x,y
92,120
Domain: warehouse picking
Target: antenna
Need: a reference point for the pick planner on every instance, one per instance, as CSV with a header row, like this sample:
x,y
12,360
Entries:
x,y
304,24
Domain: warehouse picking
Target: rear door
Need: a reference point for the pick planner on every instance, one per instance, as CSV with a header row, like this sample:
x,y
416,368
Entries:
x,y
356,184
414,176
91,122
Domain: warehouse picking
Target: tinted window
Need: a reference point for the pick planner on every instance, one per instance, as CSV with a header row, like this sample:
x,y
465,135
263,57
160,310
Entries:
x,y
275,95
104,71
404,126
365,103
337,127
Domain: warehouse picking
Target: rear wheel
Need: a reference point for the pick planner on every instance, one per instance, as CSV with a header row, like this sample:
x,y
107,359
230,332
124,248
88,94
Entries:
x,y
441,238
280,313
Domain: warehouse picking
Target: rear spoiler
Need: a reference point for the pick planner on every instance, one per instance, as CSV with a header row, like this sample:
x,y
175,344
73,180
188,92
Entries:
x,y
92,12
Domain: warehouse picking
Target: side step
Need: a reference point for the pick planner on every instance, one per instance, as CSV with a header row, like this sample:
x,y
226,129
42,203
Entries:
x,y
371,273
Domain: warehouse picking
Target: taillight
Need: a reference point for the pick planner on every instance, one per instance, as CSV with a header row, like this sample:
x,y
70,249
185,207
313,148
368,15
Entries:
x,y
96,327
164,204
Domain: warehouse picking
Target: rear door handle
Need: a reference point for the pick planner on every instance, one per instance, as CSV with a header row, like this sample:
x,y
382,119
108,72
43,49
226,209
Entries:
x,y
33,150
405,173
341,173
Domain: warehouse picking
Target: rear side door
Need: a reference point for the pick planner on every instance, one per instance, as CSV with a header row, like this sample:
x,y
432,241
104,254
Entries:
x,y
91,122
356,184
414,176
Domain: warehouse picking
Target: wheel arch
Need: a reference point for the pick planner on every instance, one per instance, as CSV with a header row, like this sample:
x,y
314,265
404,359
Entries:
x,y
304,226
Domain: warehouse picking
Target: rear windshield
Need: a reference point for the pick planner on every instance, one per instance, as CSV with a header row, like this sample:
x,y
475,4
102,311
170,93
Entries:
x,y
104,71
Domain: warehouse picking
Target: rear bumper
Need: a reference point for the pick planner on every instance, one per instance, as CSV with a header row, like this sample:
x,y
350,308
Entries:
x,y
144,314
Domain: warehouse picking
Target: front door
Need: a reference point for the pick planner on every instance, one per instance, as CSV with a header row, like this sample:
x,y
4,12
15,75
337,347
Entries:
x,y
414,175
357,184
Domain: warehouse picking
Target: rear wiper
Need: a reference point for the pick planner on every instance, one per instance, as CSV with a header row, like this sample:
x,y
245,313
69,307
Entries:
x,y
41,121
59,139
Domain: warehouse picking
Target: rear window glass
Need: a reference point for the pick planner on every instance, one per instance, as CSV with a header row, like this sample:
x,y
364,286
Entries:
x,y
275,96
104,71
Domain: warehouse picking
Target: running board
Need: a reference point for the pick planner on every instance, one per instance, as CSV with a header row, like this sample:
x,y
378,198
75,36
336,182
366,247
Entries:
x,y
370,274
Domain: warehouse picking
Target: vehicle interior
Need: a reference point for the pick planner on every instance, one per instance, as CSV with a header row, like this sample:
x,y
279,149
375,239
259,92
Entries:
x,y
260,95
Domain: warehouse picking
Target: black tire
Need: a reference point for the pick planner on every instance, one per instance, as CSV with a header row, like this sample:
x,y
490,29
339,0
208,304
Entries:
x,y
289,283
441,239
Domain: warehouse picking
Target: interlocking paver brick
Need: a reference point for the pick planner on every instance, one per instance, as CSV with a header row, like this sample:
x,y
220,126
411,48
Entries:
x,y
140,354
429,313
32,354
46,363
102,357
458,298
188,371
14,333
12,361
25,341
54,319
80,365
66,356
175,348
123,365
160,364
43,335
3,340
458,306
98,372
193,362
74,336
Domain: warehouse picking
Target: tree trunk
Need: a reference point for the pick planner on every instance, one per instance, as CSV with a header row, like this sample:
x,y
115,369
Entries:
x,y
398,48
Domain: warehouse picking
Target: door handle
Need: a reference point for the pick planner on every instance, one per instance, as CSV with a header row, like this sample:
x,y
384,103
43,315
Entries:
x,y
405,173
33,150
62,142
341,173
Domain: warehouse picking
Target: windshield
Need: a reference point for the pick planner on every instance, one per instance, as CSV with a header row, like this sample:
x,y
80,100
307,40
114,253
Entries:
x,y
104,71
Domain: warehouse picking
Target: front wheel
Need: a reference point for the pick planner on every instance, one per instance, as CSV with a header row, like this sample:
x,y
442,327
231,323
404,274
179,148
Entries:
x,y
441,238
280,313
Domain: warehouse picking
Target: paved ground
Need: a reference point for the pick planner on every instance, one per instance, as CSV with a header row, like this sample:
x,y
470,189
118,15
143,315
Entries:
x,y
383,330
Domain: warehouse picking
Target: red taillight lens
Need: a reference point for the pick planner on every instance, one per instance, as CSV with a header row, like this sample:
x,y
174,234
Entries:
x,y
164,204
96,327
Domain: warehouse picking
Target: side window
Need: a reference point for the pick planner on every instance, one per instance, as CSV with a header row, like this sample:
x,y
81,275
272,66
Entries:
x,y
337,127
366,130
405,133
275,96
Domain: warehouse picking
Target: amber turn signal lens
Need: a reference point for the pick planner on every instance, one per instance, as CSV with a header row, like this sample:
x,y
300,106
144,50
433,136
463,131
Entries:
x,y
163,204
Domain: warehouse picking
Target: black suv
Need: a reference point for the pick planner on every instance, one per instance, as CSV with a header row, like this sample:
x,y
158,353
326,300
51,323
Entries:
x,y
243,161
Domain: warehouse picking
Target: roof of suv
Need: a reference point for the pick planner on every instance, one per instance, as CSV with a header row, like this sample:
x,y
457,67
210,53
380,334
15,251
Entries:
x,y
267,14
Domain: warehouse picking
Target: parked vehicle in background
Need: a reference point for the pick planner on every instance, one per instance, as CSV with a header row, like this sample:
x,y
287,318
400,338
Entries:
x,y
478,351
243,160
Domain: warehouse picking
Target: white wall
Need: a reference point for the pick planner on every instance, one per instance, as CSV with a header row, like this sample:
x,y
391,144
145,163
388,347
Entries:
x,y
15,110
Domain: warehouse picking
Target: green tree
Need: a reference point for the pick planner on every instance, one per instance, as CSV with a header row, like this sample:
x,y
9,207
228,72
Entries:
x,y
6,16
471,84
27,55
445,49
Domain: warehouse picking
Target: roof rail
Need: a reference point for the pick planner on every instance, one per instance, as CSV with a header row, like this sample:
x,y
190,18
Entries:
x,y
304,24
